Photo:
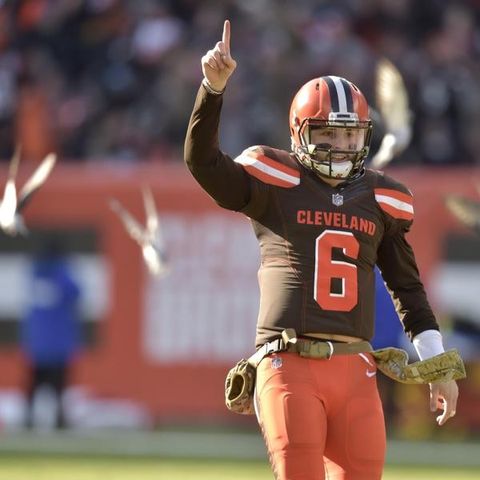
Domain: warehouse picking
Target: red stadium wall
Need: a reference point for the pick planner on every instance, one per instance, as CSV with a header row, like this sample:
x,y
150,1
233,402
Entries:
x,y
117,366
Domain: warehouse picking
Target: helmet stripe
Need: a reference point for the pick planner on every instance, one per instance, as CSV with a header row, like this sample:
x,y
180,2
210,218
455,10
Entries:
x,y
348,95
333,93
342,97
340,94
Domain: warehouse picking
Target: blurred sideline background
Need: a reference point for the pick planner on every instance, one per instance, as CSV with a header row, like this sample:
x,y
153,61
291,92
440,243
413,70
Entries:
x,y
109,85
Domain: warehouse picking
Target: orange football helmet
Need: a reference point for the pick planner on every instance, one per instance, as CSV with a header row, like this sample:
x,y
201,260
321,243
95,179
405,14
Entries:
x,y
331,127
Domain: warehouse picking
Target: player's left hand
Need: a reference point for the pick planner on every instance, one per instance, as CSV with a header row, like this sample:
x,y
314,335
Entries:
x,y
444,396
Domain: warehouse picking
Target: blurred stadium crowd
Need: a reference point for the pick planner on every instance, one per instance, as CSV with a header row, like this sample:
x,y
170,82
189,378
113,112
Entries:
x,y
115,79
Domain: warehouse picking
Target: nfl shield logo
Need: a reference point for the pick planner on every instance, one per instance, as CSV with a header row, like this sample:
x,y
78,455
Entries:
x,y
277,362
337,199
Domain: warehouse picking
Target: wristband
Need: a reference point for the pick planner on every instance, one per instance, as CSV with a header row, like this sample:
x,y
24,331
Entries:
x,y
210,89
428,344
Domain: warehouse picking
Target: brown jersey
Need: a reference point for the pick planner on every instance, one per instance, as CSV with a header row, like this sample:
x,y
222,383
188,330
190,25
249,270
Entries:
x,y
319,244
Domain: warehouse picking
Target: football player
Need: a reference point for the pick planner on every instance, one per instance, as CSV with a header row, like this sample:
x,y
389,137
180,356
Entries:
x,y
323,221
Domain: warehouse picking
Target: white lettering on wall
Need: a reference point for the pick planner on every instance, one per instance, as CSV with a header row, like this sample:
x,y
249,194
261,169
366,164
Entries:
x,y
206,308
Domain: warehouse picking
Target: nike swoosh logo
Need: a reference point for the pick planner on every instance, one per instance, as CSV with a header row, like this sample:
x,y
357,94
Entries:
x,y
370,374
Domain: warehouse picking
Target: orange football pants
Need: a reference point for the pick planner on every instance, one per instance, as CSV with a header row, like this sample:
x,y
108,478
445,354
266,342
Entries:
x,y
321,419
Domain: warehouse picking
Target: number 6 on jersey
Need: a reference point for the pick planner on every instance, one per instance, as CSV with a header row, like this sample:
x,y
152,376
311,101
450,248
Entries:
x,y
327,269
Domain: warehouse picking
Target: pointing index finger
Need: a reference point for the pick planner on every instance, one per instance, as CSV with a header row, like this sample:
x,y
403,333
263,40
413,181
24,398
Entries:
x,y
226,36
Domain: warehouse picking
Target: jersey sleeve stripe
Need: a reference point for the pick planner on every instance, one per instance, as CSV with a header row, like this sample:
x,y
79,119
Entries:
x,y
269,171
395,213
274,164
402,197
394,207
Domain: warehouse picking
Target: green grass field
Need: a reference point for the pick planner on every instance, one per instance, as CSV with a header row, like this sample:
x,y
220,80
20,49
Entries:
x,y
48,467
197,454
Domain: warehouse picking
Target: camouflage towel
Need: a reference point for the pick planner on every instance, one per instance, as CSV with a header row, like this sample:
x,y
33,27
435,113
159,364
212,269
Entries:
x,y
239,388
446,366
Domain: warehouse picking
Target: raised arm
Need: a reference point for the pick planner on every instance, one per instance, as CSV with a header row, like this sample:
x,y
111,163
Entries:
x,y
222,178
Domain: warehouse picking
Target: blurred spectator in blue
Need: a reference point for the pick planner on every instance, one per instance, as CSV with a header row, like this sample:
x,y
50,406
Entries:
x,y
388,329
388,333
50,336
